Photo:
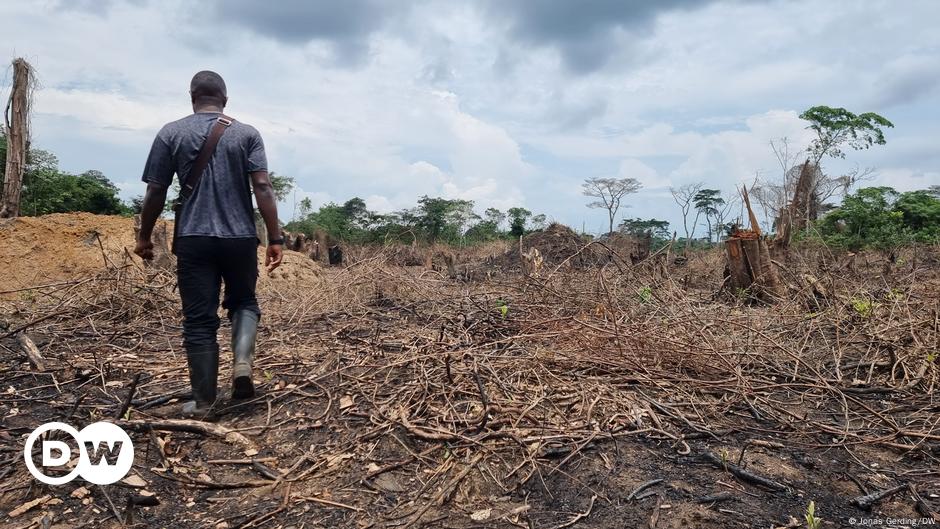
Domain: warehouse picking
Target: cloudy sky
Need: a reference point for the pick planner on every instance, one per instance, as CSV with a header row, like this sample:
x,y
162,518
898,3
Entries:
x,y
505,103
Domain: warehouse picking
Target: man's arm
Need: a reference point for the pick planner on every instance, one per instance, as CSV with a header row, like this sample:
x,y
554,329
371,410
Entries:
x,y
154,200
267,205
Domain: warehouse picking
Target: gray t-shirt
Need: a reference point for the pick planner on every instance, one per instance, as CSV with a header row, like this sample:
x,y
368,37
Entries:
x,y
220,206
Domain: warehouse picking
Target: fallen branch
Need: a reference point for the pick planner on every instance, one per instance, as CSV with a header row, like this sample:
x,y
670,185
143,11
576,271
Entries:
x,y
742,474
866,501
198,427
578,517
32,352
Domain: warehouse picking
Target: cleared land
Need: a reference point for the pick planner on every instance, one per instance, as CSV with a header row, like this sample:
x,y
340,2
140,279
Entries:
x,y
586,395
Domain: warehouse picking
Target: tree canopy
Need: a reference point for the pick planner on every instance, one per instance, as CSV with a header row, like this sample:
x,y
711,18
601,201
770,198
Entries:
x,y
835,127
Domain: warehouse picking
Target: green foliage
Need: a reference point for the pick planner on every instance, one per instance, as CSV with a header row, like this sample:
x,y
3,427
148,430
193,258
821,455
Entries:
x,y
882,218
450,221
863,307
46,189
517,221
709,202
836,127
645,294
921,211
658,229
282,185
812,522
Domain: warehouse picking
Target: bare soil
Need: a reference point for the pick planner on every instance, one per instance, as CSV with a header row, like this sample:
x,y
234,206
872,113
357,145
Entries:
x,y
604,396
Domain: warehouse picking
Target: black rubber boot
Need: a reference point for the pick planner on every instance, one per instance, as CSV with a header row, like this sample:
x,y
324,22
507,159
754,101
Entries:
x,y
204,378
244,332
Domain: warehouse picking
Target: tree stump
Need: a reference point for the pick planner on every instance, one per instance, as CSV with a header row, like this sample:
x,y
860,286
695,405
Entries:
x,y
750,267
335,255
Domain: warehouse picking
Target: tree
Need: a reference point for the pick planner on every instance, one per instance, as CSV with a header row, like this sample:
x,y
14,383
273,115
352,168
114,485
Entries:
x,y
517,221
921,212
658,229
684,197
357,213
306,206
495,217
539,221
609,193
835,127
866,218
708,202
440,218
282,185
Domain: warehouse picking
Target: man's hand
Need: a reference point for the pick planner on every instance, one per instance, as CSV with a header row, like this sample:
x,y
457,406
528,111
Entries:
x,y
144,249
272,258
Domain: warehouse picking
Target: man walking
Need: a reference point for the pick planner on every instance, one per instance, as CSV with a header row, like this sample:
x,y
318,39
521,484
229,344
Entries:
x,y
218,162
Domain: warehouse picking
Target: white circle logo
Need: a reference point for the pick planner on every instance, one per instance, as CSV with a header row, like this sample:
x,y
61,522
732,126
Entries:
x,y
105,453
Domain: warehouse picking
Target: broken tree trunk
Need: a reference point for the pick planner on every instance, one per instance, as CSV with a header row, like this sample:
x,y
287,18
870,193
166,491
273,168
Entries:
x,y
750,267
795,216
16,117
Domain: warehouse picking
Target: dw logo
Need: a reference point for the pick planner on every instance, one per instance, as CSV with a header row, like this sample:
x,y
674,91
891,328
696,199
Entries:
x,y
106,453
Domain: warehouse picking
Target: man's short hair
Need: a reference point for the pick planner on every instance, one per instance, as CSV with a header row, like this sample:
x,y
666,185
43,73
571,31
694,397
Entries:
x,y
207,85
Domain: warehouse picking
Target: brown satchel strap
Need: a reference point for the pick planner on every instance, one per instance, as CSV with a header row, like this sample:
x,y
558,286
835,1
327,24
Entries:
x,y
205,154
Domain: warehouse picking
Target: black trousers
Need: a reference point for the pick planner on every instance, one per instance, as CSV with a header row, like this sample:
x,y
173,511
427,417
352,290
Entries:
x,y
203,264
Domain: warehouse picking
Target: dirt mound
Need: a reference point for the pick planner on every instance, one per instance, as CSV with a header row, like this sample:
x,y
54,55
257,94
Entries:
x,y
556,244
63,246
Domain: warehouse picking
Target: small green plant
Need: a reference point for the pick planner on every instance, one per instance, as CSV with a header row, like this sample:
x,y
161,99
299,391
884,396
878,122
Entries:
x,y
812,522
503,308
931,356
863,307
646,294
896,294
268,375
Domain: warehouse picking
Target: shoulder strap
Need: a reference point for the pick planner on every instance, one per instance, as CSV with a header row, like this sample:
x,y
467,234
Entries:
x,y
205,154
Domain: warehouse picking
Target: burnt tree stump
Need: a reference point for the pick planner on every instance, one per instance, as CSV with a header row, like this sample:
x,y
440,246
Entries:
x,y
750,267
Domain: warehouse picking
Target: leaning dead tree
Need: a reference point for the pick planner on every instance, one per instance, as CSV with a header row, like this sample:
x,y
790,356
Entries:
x,y
16,119
750,268
796,215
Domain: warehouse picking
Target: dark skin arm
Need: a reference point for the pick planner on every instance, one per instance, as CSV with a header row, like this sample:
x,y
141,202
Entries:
x,y
154,200
267,205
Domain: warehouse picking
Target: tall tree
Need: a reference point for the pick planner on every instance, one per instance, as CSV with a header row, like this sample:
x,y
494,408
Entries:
x,y
685,197
517,220
282,185
655,228
609,193
835,127
538,221
709,202
494,216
